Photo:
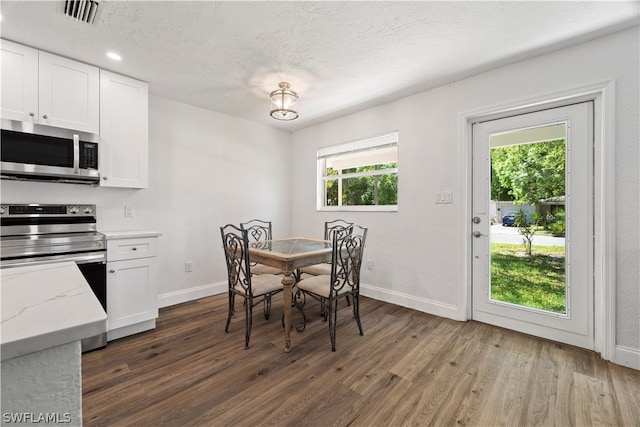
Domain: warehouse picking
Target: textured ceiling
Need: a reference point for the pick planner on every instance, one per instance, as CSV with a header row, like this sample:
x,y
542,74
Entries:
x,y
339,56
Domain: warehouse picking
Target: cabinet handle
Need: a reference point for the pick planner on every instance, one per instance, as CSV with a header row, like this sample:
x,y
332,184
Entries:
x,y
105,178
32,114
134,249
44,116
76,153
112,271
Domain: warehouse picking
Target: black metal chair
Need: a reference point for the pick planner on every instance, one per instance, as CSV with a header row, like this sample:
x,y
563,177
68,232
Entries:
x,y
252,288
259,230
331,228
344,280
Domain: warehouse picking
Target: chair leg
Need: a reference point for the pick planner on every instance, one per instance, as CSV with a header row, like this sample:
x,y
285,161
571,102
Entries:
x,y
356,312
230,313
323,308
267,306
297,298
333,318
248,321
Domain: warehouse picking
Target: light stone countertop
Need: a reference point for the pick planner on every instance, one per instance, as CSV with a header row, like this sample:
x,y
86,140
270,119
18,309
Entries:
x,y
121,234
45,306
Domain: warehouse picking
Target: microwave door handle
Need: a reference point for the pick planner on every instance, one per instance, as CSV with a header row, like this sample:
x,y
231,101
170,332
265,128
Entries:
x,y
76,153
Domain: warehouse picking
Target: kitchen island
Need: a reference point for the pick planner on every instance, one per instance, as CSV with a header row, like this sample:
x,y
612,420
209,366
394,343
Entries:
x,y
46,311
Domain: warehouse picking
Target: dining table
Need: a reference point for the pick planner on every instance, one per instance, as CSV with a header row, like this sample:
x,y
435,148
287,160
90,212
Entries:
x,y
288,255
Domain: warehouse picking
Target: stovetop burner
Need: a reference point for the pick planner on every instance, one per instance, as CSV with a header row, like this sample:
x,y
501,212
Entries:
x,y
39,233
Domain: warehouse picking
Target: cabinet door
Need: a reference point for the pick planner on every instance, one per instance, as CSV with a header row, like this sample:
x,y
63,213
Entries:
x,y
132,295
124,136
19,82
69,93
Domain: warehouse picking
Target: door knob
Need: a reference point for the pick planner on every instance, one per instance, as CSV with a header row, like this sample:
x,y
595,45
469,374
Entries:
x,y
476,220
477,234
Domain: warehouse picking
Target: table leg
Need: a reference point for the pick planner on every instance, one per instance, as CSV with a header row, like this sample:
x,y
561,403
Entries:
x,y
287,281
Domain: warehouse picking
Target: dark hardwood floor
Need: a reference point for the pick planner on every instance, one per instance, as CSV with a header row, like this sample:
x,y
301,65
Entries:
x,y
409,368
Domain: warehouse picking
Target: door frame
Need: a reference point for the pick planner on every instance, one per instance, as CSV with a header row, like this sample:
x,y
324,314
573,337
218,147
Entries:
x,y
604,261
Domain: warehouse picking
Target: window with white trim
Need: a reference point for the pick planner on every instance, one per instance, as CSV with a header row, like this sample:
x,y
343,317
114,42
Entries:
x,y
359,175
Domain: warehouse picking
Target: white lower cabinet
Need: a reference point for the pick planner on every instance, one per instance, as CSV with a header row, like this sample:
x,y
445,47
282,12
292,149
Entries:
x,y
132,284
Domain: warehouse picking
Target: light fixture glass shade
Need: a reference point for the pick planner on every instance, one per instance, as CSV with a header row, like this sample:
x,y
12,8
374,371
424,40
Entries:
x,y
284,103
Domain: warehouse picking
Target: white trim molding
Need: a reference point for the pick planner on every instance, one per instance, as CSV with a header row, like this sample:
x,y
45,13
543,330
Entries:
x,y
184,295
625,356
603,96
411,301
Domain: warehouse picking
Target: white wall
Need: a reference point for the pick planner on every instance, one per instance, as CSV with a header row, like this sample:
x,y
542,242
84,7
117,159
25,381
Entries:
x,y
206,170
418,252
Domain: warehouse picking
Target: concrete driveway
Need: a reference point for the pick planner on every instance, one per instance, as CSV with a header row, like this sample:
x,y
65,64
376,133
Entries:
x,y
500,234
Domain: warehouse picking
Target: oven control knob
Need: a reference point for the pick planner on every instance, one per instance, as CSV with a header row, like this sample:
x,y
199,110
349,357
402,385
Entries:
x,y
87,210
74,210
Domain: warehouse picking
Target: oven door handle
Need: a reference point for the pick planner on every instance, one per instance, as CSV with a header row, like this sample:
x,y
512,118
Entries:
x,y
78,259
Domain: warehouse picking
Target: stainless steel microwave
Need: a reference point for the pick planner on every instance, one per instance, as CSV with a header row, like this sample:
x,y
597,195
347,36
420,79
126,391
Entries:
x,y
31,151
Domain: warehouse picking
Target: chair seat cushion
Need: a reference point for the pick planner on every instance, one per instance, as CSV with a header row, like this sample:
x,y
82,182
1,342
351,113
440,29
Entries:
x,y
320,285
264,284
323,269
265,269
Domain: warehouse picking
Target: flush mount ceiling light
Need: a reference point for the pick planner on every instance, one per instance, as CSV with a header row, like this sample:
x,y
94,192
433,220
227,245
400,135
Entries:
x,y
284,103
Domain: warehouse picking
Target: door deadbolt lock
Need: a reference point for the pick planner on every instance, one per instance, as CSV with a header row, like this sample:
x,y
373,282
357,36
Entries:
x,y
476,220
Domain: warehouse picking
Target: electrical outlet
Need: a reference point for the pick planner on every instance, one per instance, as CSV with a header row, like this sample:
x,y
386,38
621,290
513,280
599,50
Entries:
x,y
129,211
188,266
369,264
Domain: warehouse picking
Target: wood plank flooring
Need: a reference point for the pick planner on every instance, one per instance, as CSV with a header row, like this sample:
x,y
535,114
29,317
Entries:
x,y
409,369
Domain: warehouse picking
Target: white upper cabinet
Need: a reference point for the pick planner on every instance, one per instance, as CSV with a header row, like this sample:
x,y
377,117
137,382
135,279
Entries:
x,y
124,131
19,82
42,88
69,93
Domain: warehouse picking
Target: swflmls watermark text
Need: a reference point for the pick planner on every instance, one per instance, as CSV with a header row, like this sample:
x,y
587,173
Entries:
x,y
36,417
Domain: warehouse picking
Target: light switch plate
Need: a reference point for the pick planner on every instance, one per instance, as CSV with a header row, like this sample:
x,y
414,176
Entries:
x,y
444,197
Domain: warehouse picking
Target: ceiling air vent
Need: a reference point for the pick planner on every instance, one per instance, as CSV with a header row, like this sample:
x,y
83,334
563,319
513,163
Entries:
x,y
81,10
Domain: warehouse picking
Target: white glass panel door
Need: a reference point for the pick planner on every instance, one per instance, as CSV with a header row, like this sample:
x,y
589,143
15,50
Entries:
x,y
533,223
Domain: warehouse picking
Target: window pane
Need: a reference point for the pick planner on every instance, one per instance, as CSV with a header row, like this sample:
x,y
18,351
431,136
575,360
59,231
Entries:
x,y
330,171
331,193
370,190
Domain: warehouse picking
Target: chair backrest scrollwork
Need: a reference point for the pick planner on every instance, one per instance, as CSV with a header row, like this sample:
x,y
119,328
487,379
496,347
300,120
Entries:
x,y
338,226
235,242
346,259
257,229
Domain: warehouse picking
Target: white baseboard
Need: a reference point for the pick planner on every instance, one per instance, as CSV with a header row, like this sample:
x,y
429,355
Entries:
x,y
626,356
131,330
411,301
405,300
184,295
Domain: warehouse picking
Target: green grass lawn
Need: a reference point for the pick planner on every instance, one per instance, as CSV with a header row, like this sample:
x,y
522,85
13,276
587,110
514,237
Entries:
x,y
536,281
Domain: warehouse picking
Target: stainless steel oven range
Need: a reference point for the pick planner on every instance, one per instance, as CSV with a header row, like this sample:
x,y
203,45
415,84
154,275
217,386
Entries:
x,y
41,234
